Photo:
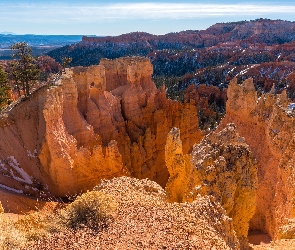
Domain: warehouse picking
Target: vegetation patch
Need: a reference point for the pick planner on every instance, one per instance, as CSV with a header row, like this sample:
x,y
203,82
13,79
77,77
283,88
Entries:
x,y
92,209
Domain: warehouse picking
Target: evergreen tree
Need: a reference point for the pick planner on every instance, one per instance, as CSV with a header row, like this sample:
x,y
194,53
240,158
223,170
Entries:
x,y
24,70
4,88
65,62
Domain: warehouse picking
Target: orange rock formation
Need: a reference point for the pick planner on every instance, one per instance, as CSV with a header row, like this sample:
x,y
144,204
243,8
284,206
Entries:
x,y
203,95
1,208
221,165
98,122
267,124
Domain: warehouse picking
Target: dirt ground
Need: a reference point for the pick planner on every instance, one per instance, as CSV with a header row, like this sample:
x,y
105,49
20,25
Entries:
x,y
261,241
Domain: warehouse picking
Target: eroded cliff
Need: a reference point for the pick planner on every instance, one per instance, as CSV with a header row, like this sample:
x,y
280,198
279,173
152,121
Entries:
x,y
98,122
220,165
267,124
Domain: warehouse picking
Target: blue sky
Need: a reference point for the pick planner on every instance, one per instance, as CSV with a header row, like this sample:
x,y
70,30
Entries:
x,y
117,17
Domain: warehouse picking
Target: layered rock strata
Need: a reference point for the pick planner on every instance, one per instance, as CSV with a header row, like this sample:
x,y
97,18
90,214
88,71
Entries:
x,y
220,165
267,124
98,122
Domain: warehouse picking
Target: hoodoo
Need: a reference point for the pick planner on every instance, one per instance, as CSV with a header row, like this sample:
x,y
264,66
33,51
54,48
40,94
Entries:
x,y
97,122
267,124
221,165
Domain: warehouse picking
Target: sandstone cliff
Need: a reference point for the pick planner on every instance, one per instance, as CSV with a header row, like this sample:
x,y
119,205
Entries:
x,y
266,123
98,122
220,165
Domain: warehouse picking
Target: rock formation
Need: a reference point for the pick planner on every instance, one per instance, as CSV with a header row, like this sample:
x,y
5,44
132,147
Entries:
x,y
210,101
143,204
220,165
1,208
98,122
204,95
267,124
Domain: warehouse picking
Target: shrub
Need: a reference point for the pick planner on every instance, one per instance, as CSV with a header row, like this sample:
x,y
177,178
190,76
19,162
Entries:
x,y
37,225
93,209
10,236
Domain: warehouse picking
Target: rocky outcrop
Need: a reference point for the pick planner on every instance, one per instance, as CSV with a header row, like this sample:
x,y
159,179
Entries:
x,y
155,222
99,122
220,165
210,101
266,123
1,208
145,115
204,95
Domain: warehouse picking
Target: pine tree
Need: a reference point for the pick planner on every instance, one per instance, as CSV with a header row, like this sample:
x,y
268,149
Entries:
x,y
4,88
65,62
24,69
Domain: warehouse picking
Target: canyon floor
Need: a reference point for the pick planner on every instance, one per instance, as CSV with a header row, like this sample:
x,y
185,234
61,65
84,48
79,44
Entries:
x,y
277,245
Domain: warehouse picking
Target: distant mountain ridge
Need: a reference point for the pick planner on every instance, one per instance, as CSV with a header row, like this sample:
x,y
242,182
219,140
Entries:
x,y
257,31
7,39
7,33
262,31
41,43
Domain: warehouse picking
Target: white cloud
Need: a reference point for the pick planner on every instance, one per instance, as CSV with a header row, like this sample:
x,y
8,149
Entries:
x,y
91,13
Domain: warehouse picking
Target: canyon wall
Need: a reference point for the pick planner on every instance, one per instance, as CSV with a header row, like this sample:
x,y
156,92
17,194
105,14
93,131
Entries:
x,y
98,122
267,124
220,165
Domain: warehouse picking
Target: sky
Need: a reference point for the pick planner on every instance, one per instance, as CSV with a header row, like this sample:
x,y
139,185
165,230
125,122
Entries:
x,y
113,17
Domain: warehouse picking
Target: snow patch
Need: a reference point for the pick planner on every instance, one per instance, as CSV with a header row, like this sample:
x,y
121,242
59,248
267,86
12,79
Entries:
x,y
2,165
245,70
32,155
12,162
11,189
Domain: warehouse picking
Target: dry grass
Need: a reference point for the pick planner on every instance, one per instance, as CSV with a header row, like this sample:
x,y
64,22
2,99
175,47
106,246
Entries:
x,y
10,236
15,234
141,219
145,220
92,209
38,225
